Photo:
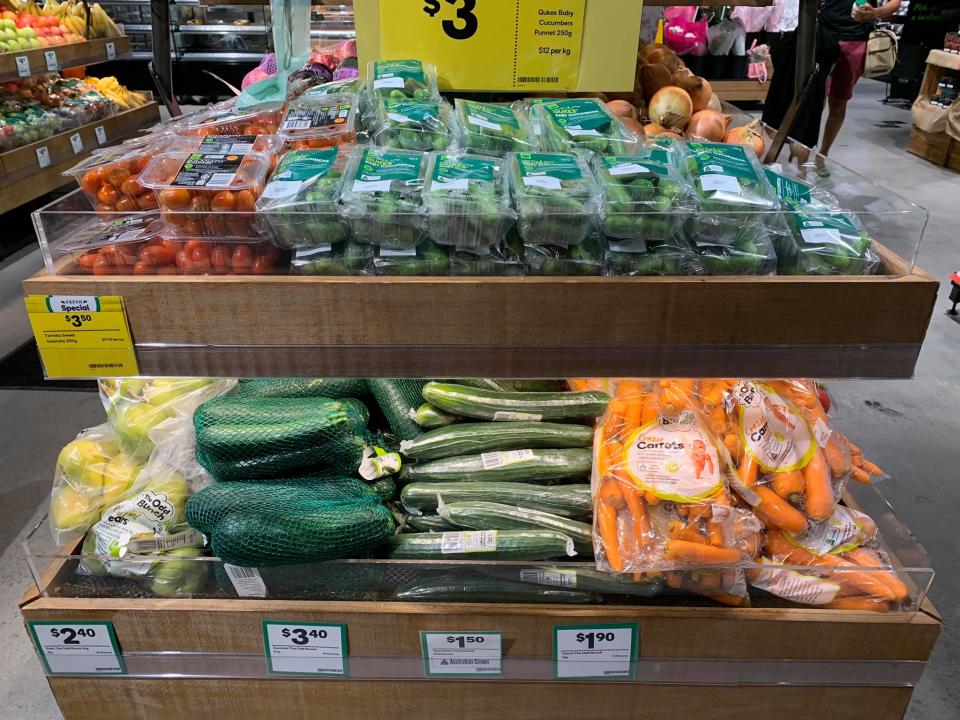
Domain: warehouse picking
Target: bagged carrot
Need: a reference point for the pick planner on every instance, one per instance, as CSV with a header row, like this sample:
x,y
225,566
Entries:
x,y
661,499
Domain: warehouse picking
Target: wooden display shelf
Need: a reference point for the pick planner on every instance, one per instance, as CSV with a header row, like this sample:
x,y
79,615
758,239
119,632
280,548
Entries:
x,y
23,178
785,326
734,91
71,55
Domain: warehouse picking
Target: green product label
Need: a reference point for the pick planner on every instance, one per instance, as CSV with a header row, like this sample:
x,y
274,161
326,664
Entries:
x,y
626,167
377,165
490,115
579,117
829,221
562,167
402,110
305,164
206,170
792,191
403,69
721,159
452,168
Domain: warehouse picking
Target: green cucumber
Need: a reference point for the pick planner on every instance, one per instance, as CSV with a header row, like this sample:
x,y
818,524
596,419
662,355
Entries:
x,y
471,438
485,384
385,488
536,385
479,515
494,405
427,416
515,544
485,589
584,578
565,500
427,523
546,465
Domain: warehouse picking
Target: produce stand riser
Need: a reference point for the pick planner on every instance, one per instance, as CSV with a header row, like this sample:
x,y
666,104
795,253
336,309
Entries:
x,y
69,55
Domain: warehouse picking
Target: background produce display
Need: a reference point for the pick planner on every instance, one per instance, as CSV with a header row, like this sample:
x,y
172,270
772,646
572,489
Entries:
x,y
604,490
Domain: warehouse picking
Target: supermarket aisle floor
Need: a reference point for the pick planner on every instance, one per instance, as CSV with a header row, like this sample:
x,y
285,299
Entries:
x,y
910,427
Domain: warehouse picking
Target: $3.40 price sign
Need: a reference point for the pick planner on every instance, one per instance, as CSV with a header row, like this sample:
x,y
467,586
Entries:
x,y
462,653
77,648
305,648
595,651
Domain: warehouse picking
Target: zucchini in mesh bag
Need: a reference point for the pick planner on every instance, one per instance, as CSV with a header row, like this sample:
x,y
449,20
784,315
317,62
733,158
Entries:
x,y
300,387
398,398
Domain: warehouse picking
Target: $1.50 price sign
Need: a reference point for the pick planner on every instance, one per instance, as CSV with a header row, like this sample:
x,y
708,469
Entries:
x,y
81,336
305,648
462,653
595,651
519,45
77,648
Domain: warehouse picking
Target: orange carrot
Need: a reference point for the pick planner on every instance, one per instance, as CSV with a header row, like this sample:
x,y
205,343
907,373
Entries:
x,y
732,443
871,468
674,579
638,511
651,498
860,475
607,522
855,603
837,456
748,471
786,552
716,533
868,558
726,599
709,581
870,582
776,511
818,491
789,483
651,409
698,554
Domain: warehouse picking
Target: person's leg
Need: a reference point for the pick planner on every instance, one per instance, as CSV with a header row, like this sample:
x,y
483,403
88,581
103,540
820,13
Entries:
x,y
847,70
836,114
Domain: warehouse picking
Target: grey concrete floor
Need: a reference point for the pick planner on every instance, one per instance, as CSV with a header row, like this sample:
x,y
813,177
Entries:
x,y
910,427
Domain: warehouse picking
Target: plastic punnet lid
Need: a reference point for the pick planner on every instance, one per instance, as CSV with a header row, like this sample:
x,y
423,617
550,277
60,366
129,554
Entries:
x,y
305,179
327,118
729,178
131,228
203,172
794,193
232,120
414,124
493,128
551,174
383,170
402,78
584,124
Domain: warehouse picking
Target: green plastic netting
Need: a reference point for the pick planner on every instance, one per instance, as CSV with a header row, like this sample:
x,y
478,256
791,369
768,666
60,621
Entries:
x,y
281,387
291,521
253,438
398,399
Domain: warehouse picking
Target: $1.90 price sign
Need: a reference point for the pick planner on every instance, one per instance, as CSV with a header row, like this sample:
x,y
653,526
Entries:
x,y
82,336
462,653
305,648
77,648
482,45
595,651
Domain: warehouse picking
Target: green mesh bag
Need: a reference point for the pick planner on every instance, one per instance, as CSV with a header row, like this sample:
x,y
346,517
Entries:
x,y
290,521
399,399
385,488
300,388
240,438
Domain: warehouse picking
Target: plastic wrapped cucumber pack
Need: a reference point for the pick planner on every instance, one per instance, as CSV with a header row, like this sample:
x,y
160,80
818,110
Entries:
x,y
340,258
426,259
587,258
401,79
493,128
504,259
413,124
583,125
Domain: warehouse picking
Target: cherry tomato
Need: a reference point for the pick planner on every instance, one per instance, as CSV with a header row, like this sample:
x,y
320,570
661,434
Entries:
x,y
173,246
194,245
183,262
157,255
245,201
242,260
144,268
103,265
126,204
90,182
167,270
262,265
147,201
116,176
138,164
126,255
220,258
223,201
124,269
108,195
175,198
87,260
192,227
131,187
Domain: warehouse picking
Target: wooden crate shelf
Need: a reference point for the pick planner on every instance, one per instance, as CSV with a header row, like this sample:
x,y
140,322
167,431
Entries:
x,y
734,91
71,55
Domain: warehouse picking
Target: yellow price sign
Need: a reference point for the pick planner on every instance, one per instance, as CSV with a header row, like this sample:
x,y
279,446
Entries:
x,y
81,336
515,45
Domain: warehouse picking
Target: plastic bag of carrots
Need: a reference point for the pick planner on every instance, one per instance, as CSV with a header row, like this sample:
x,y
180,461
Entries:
x,y
791,465
842,566
661,497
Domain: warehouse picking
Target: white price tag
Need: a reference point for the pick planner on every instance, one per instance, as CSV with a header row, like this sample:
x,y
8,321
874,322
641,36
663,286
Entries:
x,y
628,169
111,49
246,580
76,142
595,651
51,57
483,122
720,183
542,181
77,648
101,134
462,653
23,65
305,648
43,156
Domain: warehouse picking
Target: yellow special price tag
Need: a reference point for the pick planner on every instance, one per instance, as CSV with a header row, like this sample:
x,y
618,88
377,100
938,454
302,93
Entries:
x,y
515,45
82,337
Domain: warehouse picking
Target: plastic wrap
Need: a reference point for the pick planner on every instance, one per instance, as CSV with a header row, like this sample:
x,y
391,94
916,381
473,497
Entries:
x,y
565,500
503,259
340,258
426,259
319,121
382,197
642,258
229,119
401,79
500,544
414,124
587,258
493,128
583,125
466,199
832,243
111,180
555,196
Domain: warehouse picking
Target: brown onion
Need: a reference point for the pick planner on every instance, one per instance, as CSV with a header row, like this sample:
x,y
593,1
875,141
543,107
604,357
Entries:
x,y
663,56
681,75
671,107
708,124
652,79
632,123
699,90
622,109
746,135
715,103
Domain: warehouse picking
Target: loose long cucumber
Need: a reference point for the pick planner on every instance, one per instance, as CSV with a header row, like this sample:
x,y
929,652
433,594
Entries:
x,y
510,466
428,523
515,544
564,500
495,405
477,588
470,438
480,515
578,578
427,416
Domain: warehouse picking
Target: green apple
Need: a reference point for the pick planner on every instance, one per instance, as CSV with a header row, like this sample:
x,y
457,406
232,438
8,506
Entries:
x,y
24,43
34,43
26,32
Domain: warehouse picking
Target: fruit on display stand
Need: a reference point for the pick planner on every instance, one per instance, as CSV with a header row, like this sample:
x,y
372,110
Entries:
x,y
122,97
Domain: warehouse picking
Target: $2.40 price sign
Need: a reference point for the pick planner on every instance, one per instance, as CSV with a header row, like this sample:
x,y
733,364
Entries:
x,y
595,651
305,648
462,653
77,648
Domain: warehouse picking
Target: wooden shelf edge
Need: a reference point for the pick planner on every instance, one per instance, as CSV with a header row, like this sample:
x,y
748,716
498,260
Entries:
x,y
89,52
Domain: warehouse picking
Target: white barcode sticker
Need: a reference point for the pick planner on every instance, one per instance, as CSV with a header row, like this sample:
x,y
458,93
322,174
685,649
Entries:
x,y
281,188
482,122
43,156
50,56
470,541
821,236
578,131
395,252
491,460
628,169
295,124
549,576
165,543
505,416
822,432
542,181
793,585
388,82
221,179
371,185
23,65
634,245
462,653
720,183
111,49
101,134
76,142
246,581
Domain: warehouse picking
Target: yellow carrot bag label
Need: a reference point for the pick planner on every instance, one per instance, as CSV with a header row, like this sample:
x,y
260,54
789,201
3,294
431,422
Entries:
x,y
772,430
842,532
674,458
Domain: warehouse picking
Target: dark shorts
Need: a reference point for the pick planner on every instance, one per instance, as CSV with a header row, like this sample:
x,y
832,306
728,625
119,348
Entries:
x,y
847,70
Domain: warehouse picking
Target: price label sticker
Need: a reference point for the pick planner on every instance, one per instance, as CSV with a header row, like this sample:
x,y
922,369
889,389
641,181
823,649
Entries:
x,y
305,648
76,142
82,337
43,156
101,134
23,65
51,57
595,651
111,50
77,648
462,653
